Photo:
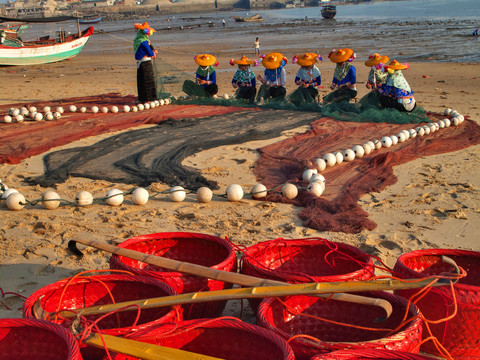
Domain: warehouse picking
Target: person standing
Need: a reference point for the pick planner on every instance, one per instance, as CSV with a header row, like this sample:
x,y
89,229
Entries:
x,y
144,53
275,77
256,46
308,78
344,78
244,79
224,23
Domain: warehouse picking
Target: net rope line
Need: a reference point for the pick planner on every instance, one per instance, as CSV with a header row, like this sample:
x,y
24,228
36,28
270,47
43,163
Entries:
x,y
5,293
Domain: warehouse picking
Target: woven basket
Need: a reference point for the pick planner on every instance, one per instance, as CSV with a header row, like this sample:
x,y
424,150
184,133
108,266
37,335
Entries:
x,y
200,249
274,315
31,339
366,354
228,339
460,335
99,290
304,261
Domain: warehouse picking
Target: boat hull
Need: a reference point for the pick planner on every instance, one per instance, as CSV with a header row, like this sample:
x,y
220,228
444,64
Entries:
x,y
43,54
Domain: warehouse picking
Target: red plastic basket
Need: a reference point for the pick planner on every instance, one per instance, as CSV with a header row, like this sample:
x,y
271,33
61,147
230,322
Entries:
x,y
460,335
31,339
200,249
274,315
228,339
98,290
366,354
304,261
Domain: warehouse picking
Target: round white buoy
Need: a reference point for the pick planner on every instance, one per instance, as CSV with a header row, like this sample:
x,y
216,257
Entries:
x,y
330,159
406,133
32,109
162,102
84,198
441,124
114,109
38,116
234,192
447,122
204,194
60,110
83,109
94,109
57,115
15,201
24,112
339,156
420,131
290,191
348,155
72,108
455,121
432,127
49,200
168,101
386,141
259,191
412,132
141,107
126,108
157,103
307,174
394,139
461,118
320,164
13,112
7,119
146,106
426,129
226,96
104,109
401,137
177,194
377,143
359,151
317,178
114,197
7,193
47,109
19,118
49,116
152,104
134,109
140,196
367,148
317,188
447,112
454,113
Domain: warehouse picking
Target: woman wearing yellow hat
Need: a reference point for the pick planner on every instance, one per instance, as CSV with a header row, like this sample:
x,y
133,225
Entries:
x,y
205,84
144,53
344,78
275,77
244,79
397,93
308,78
377,78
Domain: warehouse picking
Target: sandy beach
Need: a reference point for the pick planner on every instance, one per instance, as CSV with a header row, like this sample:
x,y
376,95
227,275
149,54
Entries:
x,y
434,203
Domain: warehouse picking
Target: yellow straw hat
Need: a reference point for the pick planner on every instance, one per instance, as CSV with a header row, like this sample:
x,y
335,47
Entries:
x,y
395,65
205,59
306,59
274,60
145,26
376,59
243,61
341,55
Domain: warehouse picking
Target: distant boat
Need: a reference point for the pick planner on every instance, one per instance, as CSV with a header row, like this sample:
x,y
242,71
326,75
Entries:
x,y
43,50
328,11
91,20
256,17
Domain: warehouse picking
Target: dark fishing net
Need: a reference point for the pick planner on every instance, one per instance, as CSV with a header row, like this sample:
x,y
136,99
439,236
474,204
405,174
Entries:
x,y
168,78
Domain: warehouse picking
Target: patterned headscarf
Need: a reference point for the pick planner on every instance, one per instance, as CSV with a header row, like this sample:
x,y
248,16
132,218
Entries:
x,y
377,76
273,74
205,72
244,76
341,70
397,80
308,74
139,39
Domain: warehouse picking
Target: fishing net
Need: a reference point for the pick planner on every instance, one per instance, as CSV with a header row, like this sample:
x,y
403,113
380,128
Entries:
x,y
168,78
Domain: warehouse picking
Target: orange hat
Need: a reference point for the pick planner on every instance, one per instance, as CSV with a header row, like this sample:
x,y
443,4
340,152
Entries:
x,y
307,59
205,60
274,60
243,61
145,26
395,65
341,55
376,59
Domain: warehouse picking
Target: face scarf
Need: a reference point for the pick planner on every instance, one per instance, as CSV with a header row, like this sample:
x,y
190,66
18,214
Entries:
x,y
273,74
243,76
379,78
341,71
139,39
397,80
308,74
205,73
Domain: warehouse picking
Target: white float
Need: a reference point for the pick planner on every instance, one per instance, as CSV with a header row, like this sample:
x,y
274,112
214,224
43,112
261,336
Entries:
x,y
316,188
394,139
19,118
259,191
234,192
447,112
57,115
126,108
84,198
72,108
49,116
152,104
432,127
15,201
60,110
141,107
339,156
7,119
412,132
114,197
367,148
226,96
290,191
320,164
401,137
94,109
406,133
348,155
134,109
162,102
359,151
114,109
167,101
204,194
378,144
146,106
140,196
441,124
32,109
426,129
47,109
48,200
177,194
15,112
386,141
447,122
38,116
420,131
330,159
7,193
308,173
83,109
317,178
104,109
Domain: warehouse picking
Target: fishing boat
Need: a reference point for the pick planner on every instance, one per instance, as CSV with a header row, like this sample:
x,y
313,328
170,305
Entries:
x,y
256,17
44,49
90,20
328,11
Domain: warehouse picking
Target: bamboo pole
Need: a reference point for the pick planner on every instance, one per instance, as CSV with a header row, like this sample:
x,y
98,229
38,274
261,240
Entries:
x,y
242,293
226,276
142,350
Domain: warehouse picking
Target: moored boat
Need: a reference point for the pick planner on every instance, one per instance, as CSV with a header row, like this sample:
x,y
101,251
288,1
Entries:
x,y
328,11
90,20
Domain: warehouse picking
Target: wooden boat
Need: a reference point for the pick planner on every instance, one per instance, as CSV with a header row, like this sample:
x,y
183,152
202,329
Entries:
x,y
43,50
256,17
328,11
90,20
